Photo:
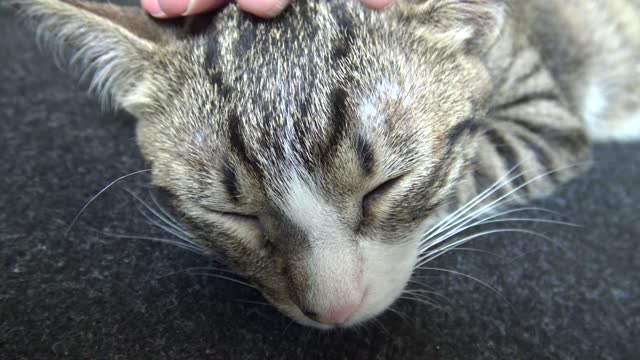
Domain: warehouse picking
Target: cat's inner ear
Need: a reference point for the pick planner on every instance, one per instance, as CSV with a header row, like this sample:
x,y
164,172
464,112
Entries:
x,y
470,25
112,43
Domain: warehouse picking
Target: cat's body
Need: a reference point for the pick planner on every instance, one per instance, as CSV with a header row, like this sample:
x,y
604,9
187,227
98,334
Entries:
x,y
312,153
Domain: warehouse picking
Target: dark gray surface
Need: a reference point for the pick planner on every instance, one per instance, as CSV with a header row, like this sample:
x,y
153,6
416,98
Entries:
x,y
92,296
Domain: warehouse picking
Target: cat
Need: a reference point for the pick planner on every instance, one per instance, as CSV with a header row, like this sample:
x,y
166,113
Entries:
x,y
325,154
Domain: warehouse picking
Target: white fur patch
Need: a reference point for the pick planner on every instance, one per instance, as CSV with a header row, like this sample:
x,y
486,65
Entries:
x,y
594,105
625,130
310,212
600,129
369,106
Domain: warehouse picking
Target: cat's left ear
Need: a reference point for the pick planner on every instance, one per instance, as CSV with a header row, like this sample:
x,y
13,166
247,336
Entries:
x,y
469,25
112,43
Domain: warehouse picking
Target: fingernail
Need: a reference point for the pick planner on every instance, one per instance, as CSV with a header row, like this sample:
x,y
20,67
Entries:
x,y
201,6
264,8
189,8
277,8
175,7
153,8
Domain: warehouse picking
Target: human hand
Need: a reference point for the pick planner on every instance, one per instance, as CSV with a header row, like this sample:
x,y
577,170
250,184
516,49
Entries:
x,y
263,8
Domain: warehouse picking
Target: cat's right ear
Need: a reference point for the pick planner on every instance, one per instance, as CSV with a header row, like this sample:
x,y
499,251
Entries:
x,y
112,44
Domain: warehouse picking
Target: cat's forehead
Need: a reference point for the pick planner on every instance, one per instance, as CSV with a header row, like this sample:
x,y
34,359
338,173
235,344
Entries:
x,y
273,96
291,90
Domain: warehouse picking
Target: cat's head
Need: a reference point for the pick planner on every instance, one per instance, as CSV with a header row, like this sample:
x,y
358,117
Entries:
x,y
308,152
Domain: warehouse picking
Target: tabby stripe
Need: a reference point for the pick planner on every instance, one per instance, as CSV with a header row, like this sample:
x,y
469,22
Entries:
x,y
230,180
365,155
569,136
536,145
535,70
236,139
481,179
342,45
527,100
338,119
506,151
459,129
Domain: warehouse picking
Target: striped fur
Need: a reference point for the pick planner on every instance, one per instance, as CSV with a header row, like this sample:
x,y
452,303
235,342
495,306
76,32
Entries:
x,y
311,152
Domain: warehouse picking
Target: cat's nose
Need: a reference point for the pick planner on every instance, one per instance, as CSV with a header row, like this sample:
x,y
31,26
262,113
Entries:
x,y
336,316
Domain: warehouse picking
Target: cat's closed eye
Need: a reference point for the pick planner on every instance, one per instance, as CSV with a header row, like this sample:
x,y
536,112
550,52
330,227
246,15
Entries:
x,y
248,227
370,198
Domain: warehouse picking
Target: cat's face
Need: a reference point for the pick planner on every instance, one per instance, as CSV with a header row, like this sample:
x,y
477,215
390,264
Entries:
x,y
313,176
308,153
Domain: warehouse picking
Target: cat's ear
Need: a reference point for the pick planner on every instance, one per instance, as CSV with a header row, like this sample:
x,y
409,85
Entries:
x,y
471,25
111,44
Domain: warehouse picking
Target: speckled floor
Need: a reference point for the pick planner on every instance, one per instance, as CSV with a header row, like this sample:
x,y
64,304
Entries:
x,y
90,295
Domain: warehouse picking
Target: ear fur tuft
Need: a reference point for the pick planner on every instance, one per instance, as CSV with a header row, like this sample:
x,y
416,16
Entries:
x,y
471,25
110,43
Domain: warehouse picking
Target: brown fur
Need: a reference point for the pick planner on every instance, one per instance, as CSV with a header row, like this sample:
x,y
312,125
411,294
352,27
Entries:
x,y
468,92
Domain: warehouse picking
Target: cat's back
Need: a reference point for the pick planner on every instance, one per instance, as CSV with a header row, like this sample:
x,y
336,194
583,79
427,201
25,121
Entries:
x,y
593,49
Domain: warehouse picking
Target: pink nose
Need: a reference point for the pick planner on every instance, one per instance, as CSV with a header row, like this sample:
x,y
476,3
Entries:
x,y
336,316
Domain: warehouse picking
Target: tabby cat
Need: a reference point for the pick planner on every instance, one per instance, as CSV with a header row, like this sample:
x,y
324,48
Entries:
x,y
326,153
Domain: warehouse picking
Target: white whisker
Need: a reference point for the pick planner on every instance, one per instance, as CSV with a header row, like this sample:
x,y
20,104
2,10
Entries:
x,y
253,302
430,255
420,291
161,226
400,315
474,279
421,284
75,219
457,248
484,221
180,244
500,183
381,325
164,211
204,268
173,228
421,300
494,204
223,277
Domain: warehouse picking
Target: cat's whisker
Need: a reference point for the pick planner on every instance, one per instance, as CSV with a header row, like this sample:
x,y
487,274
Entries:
x,y
429,292
174,228
207,268
181,236
430,255
411,281
471,278
287,327
86,205
253,302
381,325
165,211
422,301
486,220
400,314
535,220
495,203
224,278
444,223
180,244
426,298
458,248
498,221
